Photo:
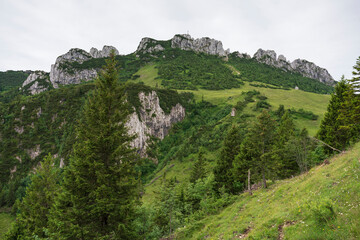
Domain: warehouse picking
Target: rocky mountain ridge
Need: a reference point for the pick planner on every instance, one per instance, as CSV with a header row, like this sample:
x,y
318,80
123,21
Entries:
x,y
304,67
62,73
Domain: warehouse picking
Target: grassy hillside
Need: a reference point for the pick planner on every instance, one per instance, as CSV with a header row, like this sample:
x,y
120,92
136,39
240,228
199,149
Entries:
x,y
297,99
5,223
321,204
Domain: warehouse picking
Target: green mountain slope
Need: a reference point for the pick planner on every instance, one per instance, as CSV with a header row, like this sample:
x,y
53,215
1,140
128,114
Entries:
x,y
321,204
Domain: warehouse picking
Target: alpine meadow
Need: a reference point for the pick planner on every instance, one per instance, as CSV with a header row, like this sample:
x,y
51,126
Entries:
x,y
180,139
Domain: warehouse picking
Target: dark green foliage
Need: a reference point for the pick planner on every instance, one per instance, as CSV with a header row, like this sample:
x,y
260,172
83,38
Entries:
x,y
34,209
198,170
330,128
257,151
268,86
252,70
223,169
189,70
12,79
128,64
303,114
100,190
350,109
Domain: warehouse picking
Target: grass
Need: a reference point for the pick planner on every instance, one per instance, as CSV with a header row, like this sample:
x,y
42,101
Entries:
x,y
5,223
147,76
305,201
317,103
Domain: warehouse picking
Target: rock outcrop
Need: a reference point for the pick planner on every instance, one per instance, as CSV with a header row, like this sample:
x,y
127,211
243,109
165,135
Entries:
x,y
149,45
36,82
105,52
152,120
63,72
204,45
309,69
304,67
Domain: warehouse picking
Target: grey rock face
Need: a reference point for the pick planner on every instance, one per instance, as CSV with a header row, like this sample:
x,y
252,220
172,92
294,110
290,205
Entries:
x,y
105,52
62,74
154,122
242,55
309,69
305,68
36,82
149,45
204,45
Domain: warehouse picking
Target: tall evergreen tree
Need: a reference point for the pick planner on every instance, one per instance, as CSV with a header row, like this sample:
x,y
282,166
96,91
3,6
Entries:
x,y
284,133
350,112
257,151
222,171
100,188
34,208
198,170
330,130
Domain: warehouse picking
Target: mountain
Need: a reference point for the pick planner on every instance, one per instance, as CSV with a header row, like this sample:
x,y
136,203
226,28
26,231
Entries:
x,y
185,95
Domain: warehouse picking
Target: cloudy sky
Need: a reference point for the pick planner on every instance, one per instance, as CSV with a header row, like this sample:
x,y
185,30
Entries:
x,y
326,32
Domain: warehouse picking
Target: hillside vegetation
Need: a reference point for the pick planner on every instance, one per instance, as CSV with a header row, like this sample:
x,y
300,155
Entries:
x,y
323,203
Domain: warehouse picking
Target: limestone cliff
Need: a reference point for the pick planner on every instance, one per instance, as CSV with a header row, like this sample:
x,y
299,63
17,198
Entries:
x,y
36,82
63,73
304,67
204,45
152,120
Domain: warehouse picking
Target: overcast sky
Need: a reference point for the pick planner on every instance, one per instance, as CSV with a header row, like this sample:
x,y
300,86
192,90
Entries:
x,y
326,32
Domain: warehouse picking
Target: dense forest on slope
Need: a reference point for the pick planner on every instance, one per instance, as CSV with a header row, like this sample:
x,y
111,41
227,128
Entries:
x,y
10,79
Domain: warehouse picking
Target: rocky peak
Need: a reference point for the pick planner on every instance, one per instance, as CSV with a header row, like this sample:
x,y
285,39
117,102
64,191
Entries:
x,y
149,45
266,56
105,52
309,69
204,45
62,73
36,82
304,67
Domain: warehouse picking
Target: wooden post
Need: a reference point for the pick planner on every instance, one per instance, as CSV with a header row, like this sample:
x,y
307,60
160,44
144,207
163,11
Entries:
x,y
249,182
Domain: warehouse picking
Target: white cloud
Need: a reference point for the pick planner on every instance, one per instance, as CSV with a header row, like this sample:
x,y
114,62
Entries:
x,y
35,32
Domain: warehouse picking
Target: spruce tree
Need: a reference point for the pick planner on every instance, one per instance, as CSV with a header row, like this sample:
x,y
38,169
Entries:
x,y
284,132
331,130
223,170
350,109
198,170
100,187
34,208
257,151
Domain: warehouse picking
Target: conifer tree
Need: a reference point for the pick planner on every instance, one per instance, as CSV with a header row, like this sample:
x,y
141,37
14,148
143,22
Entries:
x,y
330,130
223,170
284,133
34,208
198,170
257,151
100,187
350,112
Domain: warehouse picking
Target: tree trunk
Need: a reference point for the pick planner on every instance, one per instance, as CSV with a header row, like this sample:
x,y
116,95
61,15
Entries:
x,y
264,179
249,183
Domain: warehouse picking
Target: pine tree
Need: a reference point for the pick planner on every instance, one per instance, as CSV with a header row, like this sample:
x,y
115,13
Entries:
x,y
198,170
223,169
34,208
284,133
100,187
330,130
299,149
257,151
350,112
